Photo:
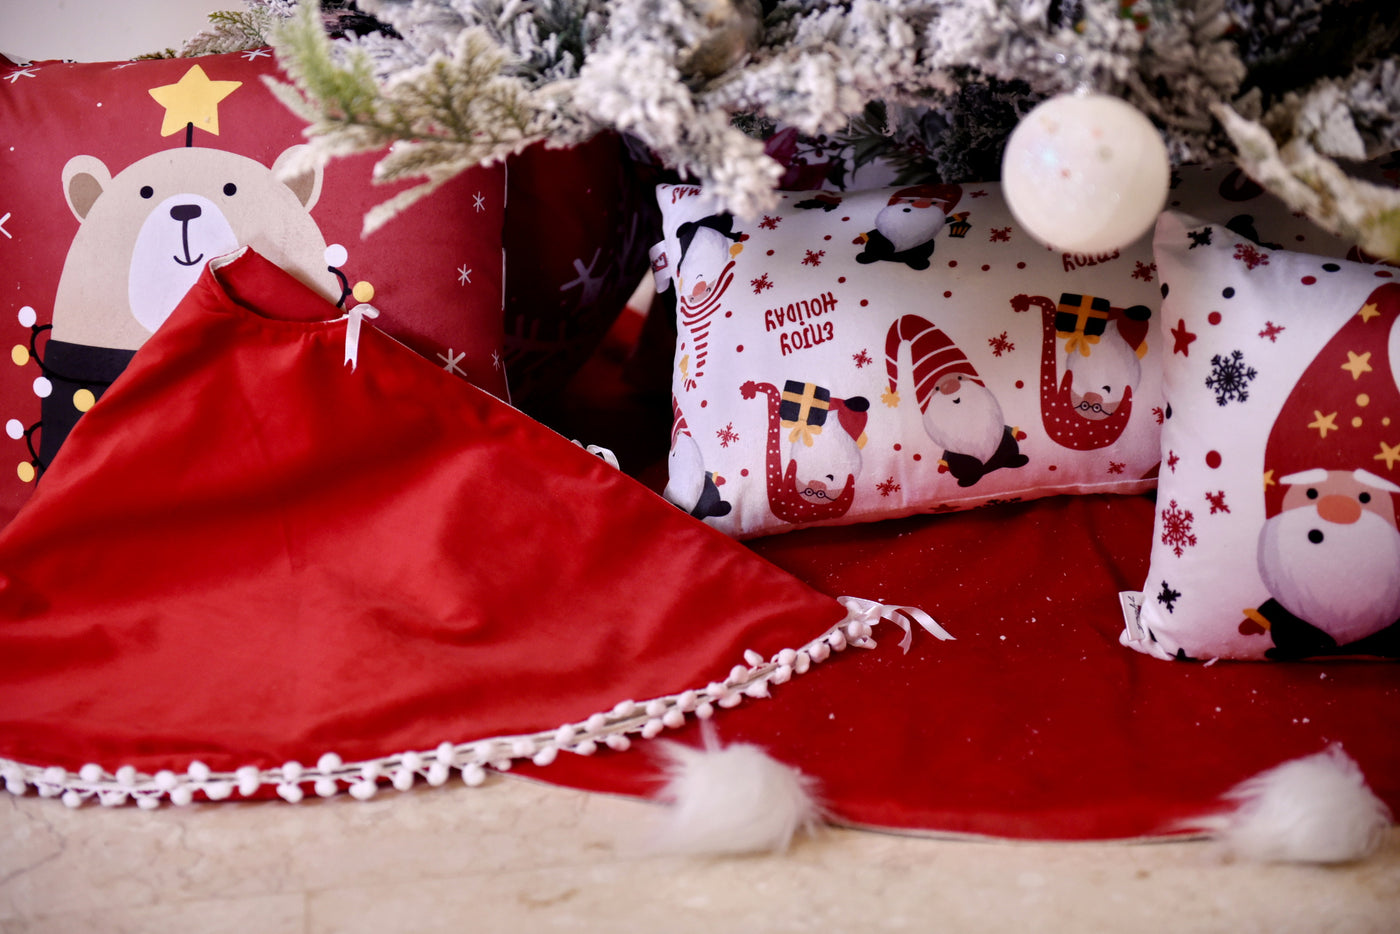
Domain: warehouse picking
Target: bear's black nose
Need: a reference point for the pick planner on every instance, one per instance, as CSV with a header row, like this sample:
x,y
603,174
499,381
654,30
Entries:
x,y
185,212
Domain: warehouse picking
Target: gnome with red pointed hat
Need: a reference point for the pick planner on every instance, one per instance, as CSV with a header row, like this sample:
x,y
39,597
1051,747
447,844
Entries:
x,y
1329,551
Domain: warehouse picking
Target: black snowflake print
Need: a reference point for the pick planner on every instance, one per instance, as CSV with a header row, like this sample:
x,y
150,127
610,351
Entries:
x,y
1200,237
1176,528
1168,597
1230,377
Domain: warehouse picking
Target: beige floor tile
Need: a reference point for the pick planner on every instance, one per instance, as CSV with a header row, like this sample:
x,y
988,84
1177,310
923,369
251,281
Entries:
x,y
521,857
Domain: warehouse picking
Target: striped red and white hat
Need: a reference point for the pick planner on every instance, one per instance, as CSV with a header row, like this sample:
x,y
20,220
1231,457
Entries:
x,y
934,356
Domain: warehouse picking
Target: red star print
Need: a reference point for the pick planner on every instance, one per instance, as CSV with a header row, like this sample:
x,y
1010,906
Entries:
x,y
1183,339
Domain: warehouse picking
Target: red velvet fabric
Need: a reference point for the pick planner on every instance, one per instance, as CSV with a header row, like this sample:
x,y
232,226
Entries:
x,y
327,564
1035,723
248,553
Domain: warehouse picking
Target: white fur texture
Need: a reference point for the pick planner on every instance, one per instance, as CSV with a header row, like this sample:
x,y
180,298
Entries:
x,y
732,799
1317,809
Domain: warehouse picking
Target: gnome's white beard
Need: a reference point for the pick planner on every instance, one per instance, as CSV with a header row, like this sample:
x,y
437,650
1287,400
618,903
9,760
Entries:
x,y
822,469
906,226
1108,371
968,421
687,474
1347,585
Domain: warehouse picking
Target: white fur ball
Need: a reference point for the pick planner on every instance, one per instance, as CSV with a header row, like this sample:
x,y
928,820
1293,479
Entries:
x,y
1317,809
732,799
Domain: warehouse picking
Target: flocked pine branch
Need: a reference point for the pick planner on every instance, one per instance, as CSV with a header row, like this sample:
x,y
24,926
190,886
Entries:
x,y
694,79
455,110
1308,181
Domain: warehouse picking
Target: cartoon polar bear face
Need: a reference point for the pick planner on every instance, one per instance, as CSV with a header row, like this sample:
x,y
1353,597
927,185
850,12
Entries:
x,y
146,234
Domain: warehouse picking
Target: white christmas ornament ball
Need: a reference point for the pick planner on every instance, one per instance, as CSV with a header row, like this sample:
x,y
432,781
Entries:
x,y
1085,173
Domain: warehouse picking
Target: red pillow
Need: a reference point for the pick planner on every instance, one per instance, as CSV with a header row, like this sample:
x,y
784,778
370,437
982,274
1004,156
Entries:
x,y
578,226
122,179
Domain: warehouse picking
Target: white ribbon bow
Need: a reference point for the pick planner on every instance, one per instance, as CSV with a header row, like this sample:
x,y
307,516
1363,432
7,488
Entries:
x,y
869,611
353,317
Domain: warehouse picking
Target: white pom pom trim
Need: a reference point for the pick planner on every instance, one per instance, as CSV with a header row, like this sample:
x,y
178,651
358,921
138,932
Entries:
x,y
330,775
1316,809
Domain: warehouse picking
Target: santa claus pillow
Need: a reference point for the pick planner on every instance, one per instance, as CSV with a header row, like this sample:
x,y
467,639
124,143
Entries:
x,y
856,356
1276,515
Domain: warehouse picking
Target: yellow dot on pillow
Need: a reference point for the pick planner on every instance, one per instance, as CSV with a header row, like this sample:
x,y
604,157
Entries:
x,y
83,400
363,291
25,472
20,355
1363,400
1356,422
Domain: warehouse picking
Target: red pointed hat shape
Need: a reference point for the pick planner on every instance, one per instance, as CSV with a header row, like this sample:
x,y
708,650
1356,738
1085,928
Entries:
x,y
254,566
1344,411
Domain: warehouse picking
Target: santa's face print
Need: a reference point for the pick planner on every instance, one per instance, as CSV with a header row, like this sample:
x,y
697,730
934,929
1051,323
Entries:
x,y
963,416
1332,556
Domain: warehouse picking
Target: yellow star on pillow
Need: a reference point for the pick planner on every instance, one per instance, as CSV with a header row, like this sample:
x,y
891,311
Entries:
x,y
193,100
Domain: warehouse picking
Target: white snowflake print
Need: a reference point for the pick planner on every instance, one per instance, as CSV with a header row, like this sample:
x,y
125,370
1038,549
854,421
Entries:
x,y
590,280
464,275
4,220
452,360
479,202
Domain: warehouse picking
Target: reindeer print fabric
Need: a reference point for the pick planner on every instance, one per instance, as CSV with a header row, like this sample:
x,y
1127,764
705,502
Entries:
x,y
1276,516
853,357
123,179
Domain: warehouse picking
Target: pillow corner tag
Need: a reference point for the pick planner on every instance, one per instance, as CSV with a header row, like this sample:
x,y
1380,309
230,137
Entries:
x,y
1131,603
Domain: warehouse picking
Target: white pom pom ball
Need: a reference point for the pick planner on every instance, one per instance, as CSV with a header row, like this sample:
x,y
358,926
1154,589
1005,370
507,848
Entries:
x,y
1085,173
732,799
1317,809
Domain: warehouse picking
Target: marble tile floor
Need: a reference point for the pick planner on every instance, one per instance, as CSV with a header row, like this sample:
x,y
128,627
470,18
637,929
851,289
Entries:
x,y
521,857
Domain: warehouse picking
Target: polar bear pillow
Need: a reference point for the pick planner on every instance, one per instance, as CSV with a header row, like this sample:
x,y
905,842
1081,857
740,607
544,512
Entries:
x,y
1276,516
122,179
